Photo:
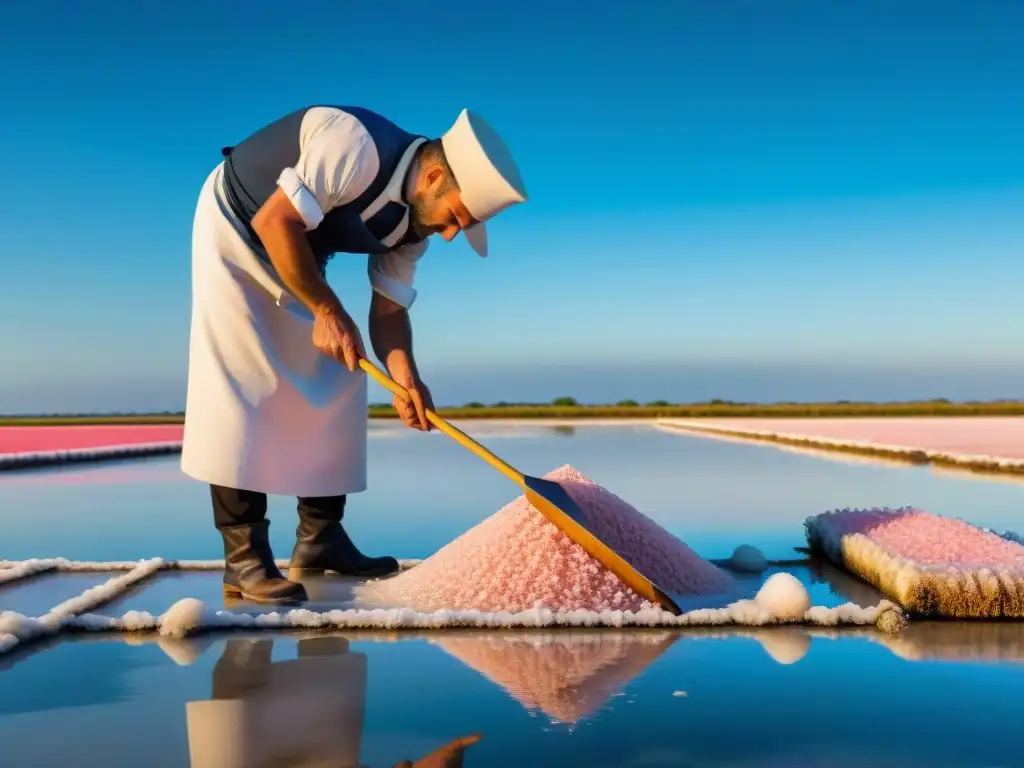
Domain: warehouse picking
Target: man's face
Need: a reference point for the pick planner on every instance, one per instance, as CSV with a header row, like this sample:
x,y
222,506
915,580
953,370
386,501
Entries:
x,y
437,210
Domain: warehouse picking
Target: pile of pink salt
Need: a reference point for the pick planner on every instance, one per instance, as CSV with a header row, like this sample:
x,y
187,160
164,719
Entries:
x,y
926,539
930,565
516,560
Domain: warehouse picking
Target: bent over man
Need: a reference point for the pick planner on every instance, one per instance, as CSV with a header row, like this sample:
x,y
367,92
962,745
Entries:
x,y
276,402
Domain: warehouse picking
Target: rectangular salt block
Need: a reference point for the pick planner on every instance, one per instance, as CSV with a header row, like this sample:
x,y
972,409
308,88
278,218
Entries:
x,y
932,566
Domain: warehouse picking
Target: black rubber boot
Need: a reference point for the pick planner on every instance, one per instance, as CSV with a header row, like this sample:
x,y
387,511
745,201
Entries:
x,y
250,572
321,544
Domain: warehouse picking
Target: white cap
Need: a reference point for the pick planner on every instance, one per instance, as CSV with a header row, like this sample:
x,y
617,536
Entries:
x,y
485,172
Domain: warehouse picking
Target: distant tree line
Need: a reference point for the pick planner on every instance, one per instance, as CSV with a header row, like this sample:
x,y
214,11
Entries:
x,y
571,404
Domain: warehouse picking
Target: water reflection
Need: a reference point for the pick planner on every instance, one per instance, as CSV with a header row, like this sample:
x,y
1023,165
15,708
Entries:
x,y
958,641
304,712
949,641
353,698
843,584
566,675
144,470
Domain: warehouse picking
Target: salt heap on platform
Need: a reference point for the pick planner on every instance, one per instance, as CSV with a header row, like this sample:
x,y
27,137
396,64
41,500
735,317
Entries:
x,y
516,560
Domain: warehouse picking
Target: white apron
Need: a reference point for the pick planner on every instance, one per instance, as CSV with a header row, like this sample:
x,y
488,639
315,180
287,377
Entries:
x,y
265,410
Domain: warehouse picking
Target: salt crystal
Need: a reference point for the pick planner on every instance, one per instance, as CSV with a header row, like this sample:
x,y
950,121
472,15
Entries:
x,y
516,559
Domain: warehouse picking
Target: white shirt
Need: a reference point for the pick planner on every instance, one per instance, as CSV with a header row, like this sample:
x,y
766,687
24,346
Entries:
x,y
337,163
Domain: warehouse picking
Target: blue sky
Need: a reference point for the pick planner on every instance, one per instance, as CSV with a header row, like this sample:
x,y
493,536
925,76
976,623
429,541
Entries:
x,y
759,201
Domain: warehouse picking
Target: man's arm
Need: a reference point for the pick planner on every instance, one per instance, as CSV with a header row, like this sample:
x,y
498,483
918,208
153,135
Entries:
x,y
337,161
391,337
282,228
391,275
282,231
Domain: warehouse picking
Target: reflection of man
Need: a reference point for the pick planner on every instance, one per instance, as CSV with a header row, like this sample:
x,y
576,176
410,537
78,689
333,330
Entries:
x,y
305,712
302,713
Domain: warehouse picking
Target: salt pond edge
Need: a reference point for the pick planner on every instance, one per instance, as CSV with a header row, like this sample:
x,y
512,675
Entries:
x,y
190,615
31,459
979,463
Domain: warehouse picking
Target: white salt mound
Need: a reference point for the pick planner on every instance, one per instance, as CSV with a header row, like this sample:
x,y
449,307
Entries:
x,y
183,617
784,597
748,558
516,560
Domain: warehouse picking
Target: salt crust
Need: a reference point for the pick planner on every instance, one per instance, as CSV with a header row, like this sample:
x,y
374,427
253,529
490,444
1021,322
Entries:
x,y
41,458
930,565
962,459
189,615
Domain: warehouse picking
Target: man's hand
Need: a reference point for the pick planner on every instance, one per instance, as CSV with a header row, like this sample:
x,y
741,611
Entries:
x,y
413,412
337,336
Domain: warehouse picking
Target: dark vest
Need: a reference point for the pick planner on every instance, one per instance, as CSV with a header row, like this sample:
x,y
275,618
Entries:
x,y
252,167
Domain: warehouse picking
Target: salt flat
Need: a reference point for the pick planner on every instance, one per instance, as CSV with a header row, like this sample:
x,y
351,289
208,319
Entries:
x,y
999,437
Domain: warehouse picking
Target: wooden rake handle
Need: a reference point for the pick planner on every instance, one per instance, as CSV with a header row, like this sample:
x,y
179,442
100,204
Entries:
x,y
457,435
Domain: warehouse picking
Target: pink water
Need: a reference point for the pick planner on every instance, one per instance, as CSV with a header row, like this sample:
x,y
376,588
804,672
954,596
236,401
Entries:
x,y
65,438
516,560
929,539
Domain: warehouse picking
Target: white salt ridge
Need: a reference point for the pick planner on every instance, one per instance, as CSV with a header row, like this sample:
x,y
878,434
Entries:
x,y
16,628
898,451
26,568
91,566
192,615
36,458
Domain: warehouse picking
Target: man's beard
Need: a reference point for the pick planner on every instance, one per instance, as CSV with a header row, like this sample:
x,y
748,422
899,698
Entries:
x,y
416,220
417,214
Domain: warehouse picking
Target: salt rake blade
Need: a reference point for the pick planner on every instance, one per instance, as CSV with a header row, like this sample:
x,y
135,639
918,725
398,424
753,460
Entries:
x,y
552,501
549,498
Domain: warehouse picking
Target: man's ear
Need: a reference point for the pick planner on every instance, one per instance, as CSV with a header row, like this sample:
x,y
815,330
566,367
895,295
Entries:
x,y
434,175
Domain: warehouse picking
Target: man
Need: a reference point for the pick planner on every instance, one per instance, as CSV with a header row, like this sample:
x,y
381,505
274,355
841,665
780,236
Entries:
x,y
276,402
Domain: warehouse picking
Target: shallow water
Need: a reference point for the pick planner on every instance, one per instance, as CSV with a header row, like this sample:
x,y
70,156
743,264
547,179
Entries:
x,y
709,698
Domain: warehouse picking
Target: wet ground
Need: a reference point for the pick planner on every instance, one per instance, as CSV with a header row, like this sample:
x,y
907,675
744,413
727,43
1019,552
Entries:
x,y
939,694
